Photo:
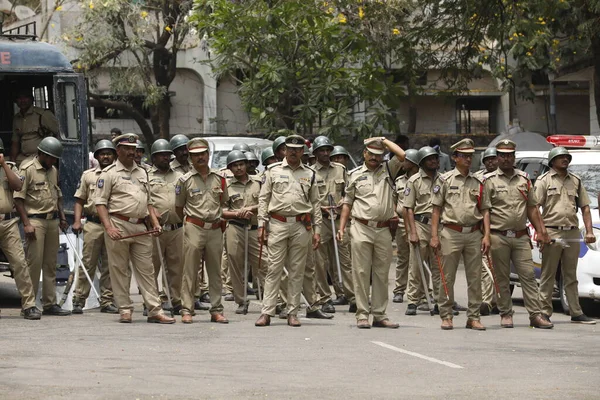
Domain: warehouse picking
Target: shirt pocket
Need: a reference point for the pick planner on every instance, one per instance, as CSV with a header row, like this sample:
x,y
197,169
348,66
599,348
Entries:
x,y
573,197
281,184
237,201
454,195
322,186
339,186
159,186
43,190
364,188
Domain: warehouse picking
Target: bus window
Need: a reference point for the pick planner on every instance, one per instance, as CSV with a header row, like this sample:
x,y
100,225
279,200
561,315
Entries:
x,y
67,101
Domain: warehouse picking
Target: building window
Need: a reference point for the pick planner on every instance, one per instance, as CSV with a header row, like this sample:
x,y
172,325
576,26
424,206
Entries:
x,y
473,116
110,113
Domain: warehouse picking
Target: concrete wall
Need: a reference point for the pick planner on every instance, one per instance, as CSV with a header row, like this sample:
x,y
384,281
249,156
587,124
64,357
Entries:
x,y
232,118
572,114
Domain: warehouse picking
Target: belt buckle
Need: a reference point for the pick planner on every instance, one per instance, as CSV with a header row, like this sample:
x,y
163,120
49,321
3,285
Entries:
x,y
290,219
2,217
372,224
511,234
134,220
167,227
465,229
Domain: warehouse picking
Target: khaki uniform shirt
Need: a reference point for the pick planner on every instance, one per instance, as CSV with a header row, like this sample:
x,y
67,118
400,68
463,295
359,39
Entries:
x,y
124,191
183,169
162,193
40,190
560,198
507,198
86,190
26,128
199,198
459,197
226,173
330,179
419,191
401,182
290,192
243,195
6,194
371,193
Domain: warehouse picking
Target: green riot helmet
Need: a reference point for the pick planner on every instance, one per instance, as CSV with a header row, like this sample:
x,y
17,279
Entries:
x,y
51,146
425,152
339,150
266,154
140,146
160,146
241,147
321,141
104,144
558,151
177,141
278,142
250,156
412,155
489,152
306,151
234,156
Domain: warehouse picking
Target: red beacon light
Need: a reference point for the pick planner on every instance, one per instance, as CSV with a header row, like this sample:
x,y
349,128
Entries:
x,y
578,141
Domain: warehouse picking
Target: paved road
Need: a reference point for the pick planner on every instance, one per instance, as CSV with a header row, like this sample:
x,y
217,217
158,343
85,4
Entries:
x,y
91,356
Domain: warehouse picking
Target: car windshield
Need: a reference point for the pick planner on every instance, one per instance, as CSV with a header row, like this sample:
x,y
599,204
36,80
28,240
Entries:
x,y
219,159
589,174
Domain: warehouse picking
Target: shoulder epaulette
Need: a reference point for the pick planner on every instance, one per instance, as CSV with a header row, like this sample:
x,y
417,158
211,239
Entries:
x,y
353,170
12,164
414,177
544,174
488,175
338,164
522,173
27,164
274,164
186,176
109,167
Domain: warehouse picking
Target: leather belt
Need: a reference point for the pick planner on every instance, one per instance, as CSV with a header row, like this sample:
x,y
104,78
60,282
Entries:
x,y
94,219
50,215
7,216
202,224
242,225
423,218
172,227
374,224
328,216
127,219
510,233
463,229
562,228
297,218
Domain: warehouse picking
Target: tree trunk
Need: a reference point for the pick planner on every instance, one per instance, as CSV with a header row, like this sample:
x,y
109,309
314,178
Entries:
x,y
164,118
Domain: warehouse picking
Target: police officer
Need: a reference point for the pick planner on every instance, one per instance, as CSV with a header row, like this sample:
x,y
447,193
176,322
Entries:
x,y
370,200
411,167
10,240
340,155
560,193
94,248
241,211
456,201
39,204
488,297
279,147
508,201
287,199
123,204
140,150
30,125
200,196
169,250
253,162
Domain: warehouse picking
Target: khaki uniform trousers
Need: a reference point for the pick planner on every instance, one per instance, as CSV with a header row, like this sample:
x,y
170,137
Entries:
x,y
326,257
402,261
552,255
225,273
201,282
371,259
11,245
198,241
288,245
468,245
488,295
94,250
171,244
518,250
415,285
41,256
309,284
134,253
235,248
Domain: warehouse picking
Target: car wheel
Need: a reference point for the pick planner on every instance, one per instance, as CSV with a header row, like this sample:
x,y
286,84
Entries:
x,y
563,297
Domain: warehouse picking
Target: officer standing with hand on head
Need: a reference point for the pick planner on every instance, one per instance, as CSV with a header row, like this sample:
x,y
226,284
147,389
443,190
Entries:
x,y
94,248
10,239
287,199
371,202
508,201
124,205
456,201
39,204
560,194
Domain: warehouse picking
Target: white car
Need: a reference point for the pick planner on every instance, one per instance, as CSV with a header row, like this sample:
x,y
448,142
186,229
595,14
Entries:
x,y
585,164
220,146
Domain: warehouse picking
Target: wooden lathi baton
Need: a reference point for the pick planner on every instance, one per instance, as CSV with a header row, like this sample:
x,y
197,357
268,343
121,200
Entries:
x,y
150,232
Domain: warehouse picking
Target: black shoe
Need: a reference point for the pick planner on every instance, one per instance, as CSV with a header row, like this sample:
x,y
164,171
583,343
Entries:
x,y
278,309
229,297
205,298
32,313
340,301
495,310
318,314
458,307
108,309
77,309
242,309
485,309
176,310
352,308
411,309
283,314
145,313
55,309
199,306
250,291
398,298
166,306
583,319
328,308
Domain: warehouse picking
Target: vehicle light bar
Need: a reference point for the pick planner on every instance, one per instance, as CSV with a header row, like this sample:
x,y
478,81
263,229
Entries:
x,y
580,141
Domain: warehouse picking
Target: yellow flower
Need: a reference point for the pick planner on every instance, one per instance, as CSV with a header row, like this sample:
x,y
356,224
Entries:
x,y
480,63
79,38
330,10
342,19
395,31
543,23
66,38
557,59
528,54
361,13
59,8
509,76
168,28
91,5
144,14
